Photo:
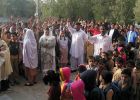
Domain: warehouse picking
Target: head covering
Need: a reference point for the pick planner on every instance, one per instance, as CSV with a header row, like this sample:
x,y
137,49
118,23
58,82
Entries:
x,y
119,49
77,88
89,78
65,73
30,56
30,37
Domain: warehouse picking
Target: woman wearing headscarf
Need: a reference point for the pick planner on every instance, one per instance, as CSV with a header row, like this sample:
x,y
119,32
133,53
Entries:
x,y
30,57
63,44
91,89
47,43
65,74
77,89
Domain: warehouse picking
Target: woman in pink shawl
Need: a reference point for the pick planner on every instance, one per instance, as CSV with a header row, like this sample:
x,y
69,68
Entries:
x,y
122,54
77,89
65,77
30,58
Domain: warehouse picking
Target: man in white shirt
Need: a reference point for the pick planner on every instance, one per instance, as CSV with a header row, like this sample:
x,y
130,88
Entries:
x,y
102,42
79,37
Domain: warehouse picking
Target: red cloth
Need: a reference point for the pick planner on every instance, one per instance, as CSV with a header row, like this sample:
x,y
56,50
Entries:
x,y
77,77
123,55
77,88
94,31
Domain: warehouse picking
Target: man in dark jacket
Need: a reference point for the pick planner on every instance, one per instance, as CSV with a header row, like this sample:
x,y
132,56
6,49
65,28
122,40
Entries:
x,y
114,33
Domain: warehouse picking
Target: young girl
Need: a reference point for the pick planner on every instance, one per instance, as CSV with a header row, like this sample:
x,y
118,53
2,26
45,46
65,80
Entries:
x,y
91,63
65,74
52,78
122,53
14,53
77,90
63,44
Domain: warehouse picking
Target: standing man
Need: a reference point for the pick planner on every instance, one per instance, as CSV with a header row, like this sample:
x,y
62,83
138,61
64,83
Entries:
x,y
102,42
114,33
132,36
79,37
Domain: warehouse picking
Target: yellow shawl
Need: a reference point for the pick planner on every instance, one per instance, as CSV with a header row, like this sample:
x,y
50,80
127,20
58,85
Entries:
x,y
6,68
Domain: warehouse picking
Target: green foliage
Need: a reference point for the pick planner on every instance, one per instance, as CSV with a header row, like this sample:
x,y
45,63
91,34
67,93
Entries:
x,y
114,10
22,8
68,9
137,11
123,11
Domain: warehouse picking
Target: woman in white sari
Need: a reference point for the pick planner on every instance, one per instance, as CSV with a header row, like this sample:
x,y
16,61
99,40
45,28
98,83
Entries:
x,y
30,56
47,43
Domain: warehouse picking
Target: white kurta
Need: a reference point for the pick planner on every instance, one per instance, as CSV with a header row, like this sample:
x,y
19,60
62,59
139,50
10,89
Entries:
x,y
77,47
111,33
63,42
78,40
101,42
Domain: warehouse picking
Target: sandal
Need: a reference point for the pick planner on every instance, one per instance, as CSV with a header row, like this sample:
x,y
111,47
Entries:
x,y
28,84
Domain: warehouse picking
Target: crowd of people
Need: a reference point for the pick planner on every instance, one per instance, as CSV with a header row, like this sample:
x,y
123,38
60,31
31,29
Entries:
x,y
105,55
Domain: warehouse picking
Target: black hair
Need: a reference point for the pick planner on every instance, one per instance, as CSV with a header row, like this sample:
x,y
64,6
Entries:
x,y
91,57
105,53
110,53
78,23
14,33
107,76
97,58
51,78
121,39
64,36
130,64
81,68
103,61
89,78
26,25
126,71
